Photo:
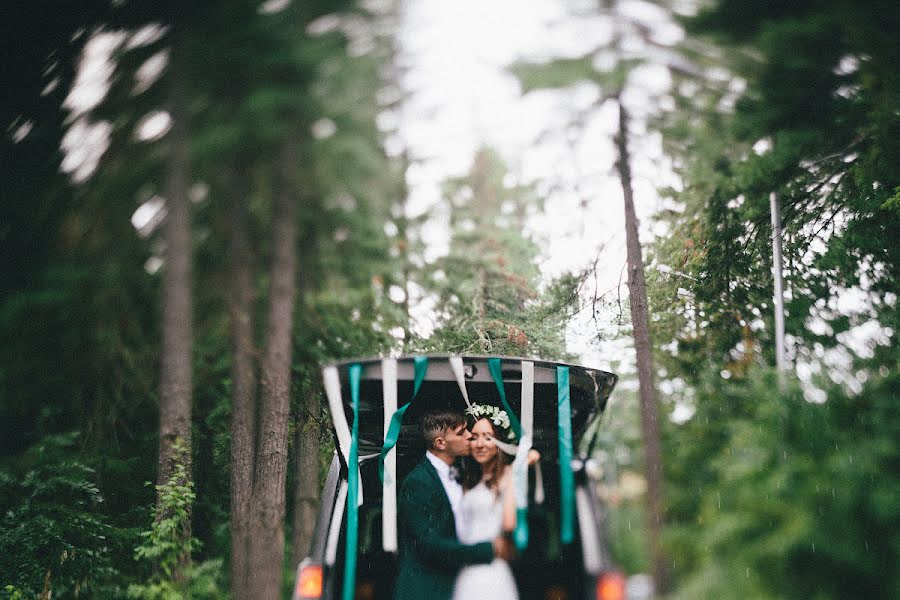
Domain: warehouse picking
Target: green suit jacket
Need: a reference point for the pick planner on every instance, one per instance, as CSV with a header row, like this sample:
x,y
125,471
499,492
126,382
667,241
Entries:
x,y
430,554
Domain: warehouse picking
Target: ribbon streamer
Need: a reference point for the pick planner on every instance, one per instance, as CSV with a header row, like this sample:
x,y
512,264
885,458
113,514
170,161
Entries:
x,y
332,383
497,373
393,433
566,477
538,484
511,449
528,419
520,487
389,484
456,363
528,397
520,464
520,470
353,485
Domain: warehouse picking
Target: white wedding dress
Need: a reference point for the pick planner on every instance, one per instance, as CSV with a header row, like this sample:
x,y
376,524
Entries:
x,y
482,512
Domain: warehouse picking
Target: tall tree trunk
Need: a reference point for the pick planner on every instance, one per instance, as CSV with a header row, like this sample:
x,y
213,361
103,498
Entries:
x,y
640,320
175,375
268,499
306,484
308,439
243,377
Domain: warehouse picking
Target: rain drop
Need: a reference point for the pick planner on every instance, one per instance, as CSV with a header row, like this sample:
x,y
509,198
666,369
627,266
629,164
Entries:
x,y
719,499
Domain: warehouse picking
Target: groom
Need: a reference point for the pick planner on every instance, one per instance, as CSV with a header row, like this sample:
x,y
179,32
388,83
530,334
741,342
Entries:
x,y
430,554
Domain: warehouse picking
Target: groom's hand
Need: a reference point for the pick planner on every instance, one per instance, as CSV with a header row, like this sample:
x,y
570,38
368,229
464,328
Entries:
x,y
504,548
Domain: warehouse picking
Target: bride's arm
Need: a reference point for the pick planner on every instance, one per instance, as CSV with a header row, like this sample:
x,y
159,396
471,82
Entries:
x,y
509,500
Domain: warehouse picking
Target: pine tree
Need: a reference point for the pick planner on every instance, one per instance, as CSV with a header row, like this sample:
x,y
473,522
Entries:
x,y
488,289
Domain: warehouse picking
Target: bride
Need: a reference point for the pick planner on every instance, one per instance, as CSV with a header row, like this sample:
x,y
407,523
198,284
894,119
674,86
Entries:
x,y
488,506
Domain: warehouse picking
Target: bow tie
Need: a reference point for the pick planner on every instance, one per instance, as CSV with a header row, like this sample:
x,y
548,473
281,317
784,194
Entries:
x,y
454,473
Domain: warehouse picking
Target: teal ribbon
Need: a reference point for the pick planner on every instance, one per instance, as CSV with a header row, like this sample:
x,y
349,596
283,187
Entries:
x,y
566,478
420,364
520,535
497,374
355,372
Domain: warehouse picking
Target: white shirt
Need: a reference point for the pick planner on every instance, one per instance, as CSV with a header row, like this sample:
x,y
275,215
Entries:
x,y
452,487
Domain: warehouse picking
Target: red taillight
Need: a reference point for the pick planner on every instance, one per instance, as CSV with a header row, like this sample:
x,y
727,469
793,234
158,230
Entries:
x,y
611,586
309,582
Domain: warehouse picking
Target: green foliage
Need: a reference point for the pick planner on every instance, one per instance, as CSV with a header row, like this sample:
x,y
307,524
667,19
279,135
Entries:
x,y
781,498
770,495
819,80
11,592
169,552
54,538
488,287
79,291
626,532
566,72
205,580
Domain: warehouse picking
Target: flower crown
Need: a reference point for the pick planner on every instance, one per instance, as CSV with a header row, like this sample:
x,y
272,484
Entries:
x,y
496,415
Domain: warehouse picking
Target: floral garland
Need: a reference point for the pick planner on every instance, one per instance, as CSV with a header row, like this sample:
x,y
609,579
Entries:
x,y
496,415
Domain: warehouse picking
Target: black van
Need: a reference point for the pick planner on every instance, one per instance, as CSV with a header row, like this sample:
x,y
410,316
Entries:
x,y
547,568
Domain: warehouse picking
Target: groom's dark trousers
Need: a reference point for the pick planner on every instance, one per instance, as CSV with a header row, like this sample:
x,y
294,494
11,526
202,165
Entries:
x,y
430,554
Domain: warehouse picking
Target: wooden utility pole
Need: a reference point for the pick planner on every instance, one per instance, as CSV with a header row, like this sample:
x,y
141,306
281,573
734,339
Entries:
x,y
780,360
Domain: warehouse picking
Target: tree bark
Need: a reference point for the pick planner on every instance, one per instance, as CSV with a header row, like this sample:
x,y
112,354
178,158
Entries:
x,y
175,375
308,439
640,320
306,485
243,377
268,498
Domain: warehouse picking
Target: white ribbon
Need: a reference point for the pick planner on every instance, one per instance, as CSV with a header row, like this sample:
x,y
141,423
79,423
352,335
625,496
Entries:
x,y
520,471
538,484
528,397
389,486
336,406
528,423
456,363
511,449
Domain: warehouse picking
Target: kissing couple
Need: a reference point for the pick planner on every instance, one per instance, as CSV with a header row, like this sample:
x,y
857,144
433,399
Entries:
x,y
454,535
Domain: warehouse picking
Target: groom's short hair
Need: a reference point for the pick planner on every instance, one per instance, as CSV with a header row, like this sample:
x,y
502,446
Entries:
x,y
438,421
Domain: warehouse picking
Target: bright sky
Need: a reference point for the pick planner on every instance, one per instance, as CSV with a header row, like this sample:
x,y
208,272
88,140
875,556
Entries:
x,y
462,97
